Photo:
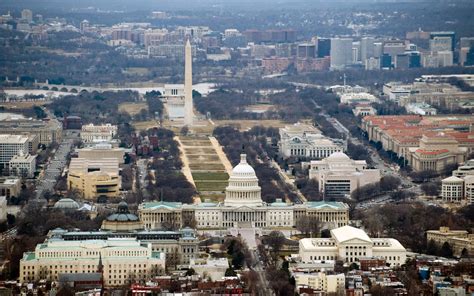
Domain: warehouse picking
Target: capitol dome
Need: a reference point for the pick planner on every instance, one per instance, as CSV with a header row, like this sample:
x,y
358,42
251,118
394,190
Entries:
x,y
243,186
243,169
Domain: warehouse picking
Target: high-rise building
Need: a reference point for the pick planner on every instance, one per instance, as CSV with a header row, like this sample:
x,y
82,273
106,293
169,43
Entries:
x,y
306,50
394,47
439,43
466,42
10,146
324,47
366,48
378,49
450,34
372,64
341,53
402,61
386,61
445,58
27,15
355,52
84,26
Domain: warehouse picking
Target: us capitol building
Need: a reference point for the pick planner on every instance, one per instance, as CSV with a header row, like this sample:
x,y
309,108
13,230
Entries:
x,y
243,207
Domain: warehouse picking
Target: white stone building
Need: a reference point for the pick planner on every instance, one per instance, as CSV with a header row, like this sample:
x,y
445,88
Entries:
x,y
349,244
23,165
91,133
124,260
338,175
329,283
464,170
304,140
421,109
242,207
3,208
452,189
11,145
213,268
351,98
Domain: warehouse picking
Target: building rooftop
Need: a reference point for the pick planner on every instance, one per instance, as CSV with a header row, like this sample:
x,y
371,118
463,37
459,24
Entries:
x,y
347,233
155,205
452,179
13,139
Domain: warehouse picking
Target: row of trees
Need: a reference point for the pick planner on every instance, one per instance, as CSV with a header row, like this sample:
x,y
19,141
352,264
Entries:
x,y
387,184
166,179
408,222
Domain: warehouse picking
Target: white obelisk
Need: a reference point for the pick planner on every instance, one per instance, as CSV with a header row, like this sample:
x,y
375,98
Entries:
x,y
188,85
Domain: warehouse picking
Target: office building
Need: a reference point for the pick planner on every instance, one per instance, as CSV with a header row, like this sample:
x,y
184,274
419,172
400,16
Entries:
x,y
180,246
47,131
10,146
332,284
445,58
339,176
10,187
349,244
423,142
303,140
366,48
394,47
466,42
306,50
324,47
72,122
459,240
435,152
91,133
449,34
102,150
466,169
242,207
452,189
95,179
372,64
356,52
121,261
402,61
23,165
341,53
439,43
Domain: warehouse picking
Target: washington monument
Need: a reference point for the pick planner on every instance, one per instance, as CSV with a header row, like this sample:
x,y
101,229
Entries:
x,y
188,85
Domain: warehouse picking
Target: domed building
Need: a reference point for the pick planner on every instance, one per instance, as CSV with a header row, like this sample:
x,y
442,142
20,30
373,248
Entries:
x,y
243,186
122,220
66,204
243,207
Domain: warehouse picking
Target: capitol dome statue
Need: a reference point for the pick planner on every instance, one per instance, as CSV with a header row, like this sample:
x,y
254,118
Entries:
x,y
243,189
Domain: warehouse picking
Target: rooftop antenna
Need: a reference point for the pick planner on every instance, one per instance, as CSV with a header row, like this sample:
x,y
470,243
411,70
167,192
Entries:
x,y
344,81
161,195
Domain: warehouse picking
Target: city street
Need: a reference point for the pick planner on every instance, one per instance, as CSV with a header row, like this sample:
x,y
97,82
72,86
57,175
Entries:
x,y
55,165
